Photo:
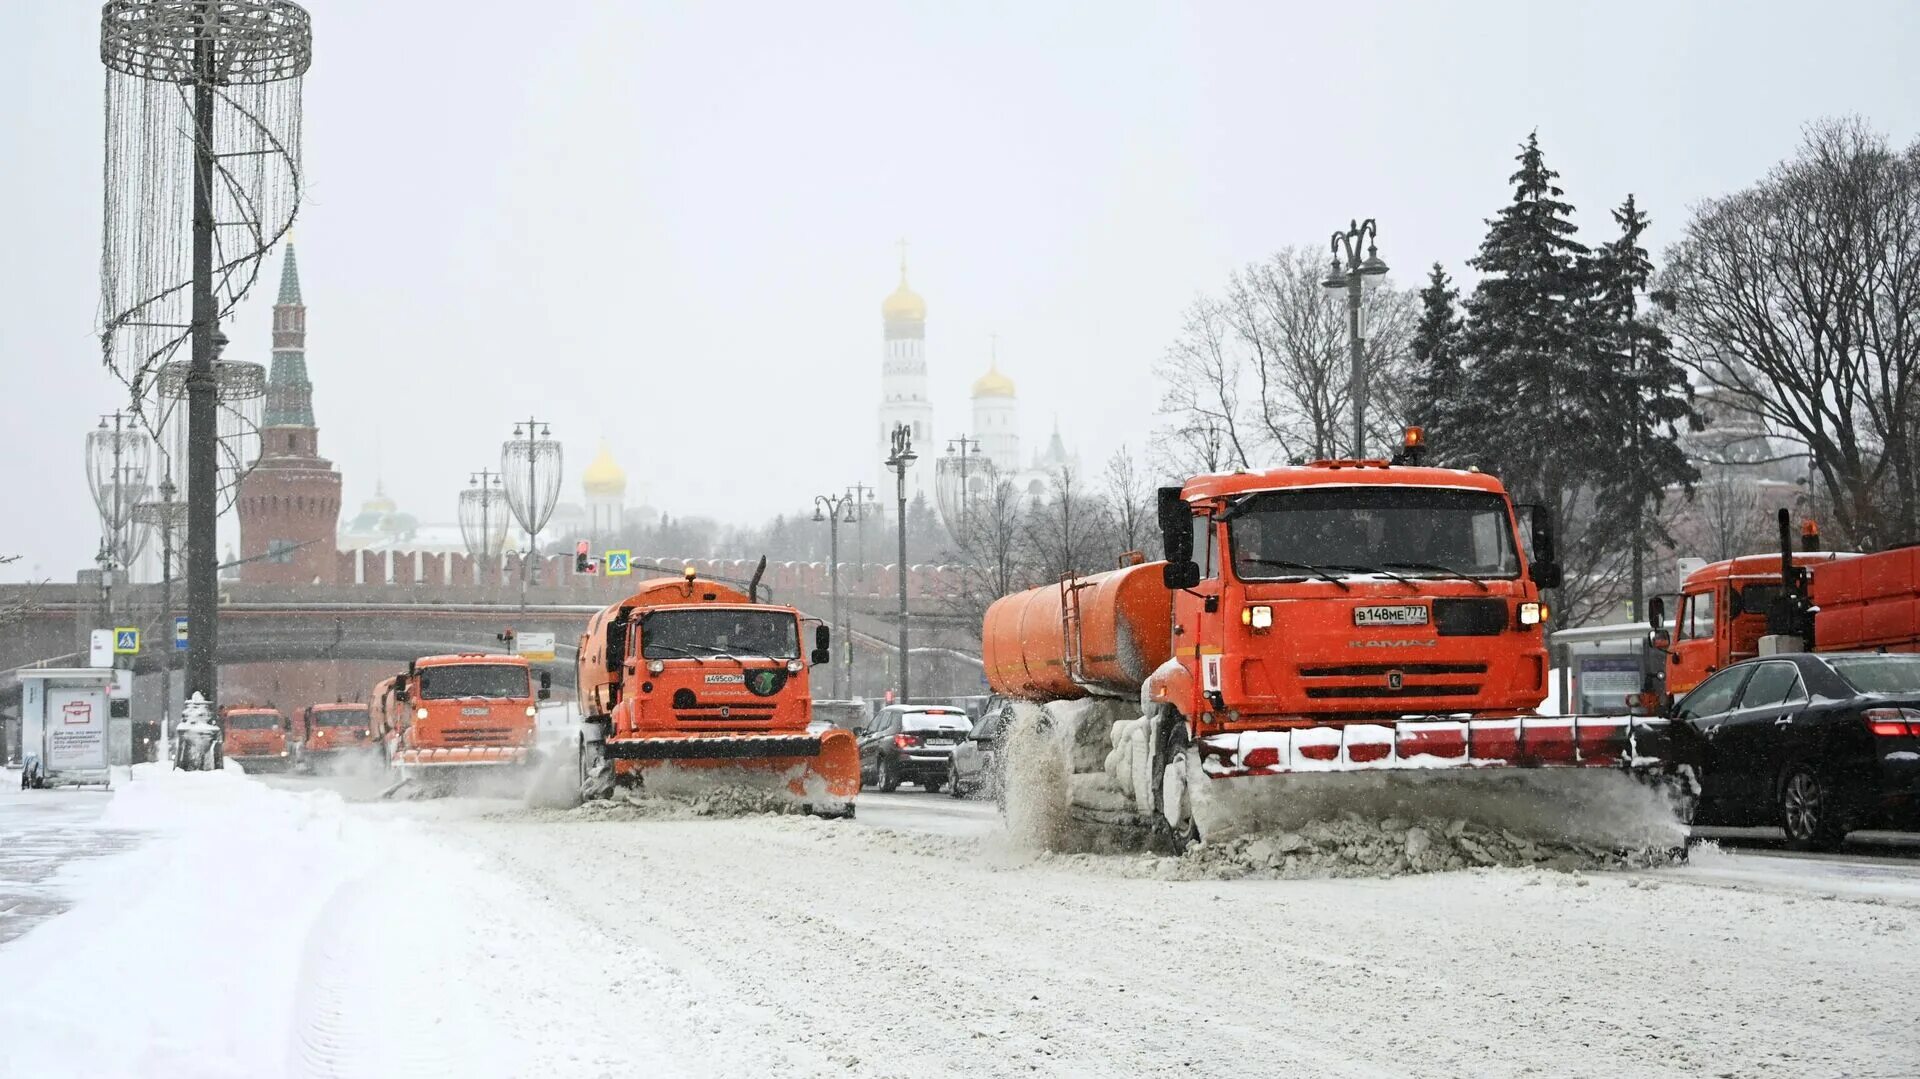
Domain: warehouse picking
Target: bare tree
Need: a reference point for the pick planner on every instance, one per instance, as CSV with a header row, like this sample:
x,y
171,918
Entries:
x,y
1798,300
1129,497
18,607
1262,374
1068,532
1725,518
1203,374
991,552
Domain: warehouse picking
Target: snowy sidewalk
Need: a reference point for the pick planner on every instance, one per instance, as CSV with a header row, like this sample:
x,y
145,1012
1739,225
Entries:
x,y
270,932
41,834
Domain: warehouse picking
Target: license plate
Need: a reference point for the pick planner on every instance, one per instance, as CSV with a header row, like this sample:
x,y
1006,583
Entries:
x,y
1402,614
725,679
473,711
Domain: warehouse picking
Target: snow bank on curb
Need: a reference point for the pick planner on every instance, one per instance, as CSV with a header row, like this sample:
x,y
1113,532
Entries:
x,y
262,932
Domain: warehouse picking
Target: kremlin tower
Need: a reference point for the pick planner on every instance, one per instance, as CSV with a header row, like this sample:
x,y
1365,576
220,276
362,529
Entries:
x,y
903,387
289,503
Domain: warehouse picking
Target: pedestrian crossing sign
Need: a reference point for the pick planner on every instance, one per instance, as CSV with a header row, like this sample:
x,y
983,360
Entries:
x,y
126,640
619,563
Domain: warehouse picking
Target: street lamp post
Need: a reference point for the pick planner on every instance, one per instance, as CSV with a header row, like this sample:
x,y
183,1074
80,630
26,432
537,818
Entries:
x,y
864,506
901,457
530,465
833,509
1351,275
169,517
968,447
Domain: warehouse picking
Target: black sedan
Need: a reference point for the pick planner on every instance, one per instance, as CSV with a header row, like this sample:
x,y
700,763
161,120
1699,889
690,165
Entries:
x,y
1815,744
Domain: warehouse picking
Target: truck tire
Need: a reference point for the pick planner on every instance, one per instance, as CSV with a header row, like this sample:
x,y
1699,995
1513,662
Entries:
x,y
1174,827
595,770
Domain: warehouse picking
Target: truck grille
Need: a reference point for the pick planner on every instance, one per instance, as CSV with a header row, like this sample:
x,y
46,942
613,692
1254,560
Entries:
x,y
1381,670
1331,692
478,736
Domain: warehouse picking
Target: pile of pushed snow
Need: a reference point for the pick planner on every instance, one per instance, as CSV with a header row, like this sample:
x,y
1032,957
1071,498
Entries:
x,y
1356,846
713,801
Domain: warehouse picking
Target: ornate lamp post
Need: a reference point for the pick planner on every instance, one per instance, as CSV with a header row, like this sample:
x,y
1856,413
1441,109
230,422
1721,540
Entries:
x,y
169,518
950,485
1353,275
119,460
833,509
483,521
530,465
899,460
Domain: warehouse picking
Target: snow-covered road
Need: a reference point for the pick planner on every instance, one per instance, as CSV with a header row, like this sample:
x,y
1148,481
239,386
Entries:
x,y
475,937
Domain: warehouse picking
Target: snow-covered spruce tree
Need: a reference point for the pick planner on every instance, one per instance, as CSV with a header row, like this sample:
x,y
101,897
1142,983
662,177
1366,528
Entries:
x,y
1533,410
1437,380
1647,396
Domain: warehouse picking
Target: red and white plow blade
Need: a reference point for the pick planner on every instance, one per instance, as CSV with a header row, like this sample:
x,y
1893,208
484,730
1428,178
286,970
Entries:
x,y
1528,742
460,755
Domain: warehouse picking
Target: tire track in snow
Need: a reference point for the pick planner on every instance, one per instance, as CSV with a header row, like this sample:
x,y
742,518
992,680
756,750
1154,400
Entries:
x,y
350,1020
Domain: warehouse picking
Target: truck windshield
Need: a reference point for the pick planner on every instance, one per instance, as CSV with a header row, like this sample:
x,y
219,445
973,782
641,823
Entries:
x,y
712,631
340,717
1411,531
253,721
474,680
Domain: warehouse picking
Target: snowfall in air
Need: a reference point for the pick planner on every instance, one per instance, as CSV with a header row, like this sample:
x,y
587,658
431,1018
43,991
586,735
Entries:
x,y
220,924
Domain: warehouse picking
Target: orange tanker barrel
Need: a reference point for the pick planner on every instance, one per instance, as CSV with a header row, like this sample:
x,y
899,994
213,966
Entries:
x,y
1125,622
1126,628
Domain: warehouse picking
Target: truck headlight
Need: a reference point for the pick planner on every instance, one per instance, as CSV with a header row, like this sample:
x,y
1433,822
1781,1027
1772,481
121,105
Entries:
x,y
656,666
793,666
1531,614
532,711
1258,617
419,713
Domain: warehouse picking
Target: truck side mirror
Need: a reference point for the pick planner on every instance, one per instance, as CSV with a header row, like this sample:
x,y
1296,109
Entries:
x,y
1178,575
822,646
400,691
1546,564
546,679
1176,539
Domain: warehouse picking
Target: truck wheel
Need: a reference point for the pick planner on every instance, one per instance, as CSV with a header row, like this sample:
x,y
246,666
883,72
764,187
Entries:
x,y
596,771
1810,811
1173,823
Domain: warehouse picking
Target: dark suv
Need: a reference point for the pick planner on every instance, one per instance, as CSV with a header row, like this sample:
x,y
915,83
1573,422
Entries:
x,y
911,743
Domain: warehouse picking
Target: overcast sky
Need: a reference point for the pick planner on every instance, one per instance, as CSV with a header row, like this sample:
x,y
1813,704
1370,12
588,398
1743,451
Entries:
x,y
670,226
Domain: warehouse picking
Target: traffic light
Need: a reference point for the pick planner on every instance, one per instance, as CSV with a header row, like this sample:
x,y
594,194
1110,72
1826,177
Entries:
x,y
505,636
582,561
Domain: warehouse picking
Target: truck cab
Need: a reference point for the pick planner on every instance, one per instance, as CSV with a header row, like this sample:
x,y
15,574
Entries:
x,y
468,708
1351,591
256,736
1721,613
335,730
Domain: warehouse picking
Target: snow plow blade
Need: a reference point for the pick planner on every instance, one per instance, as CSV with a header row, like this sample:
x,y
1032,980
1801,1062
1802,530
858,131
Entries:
x,y
461,756
823,769
1528,742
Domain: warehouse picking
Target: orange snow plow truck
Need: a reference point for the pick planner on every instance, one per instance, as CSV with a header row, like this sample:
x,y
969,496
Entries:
x,y
689,678
448,715
1807,600
1339,634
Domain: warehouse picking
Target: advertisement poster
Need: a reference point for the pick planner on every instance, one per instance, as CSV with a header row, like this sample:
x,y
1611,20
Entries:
x,y
1605,682
76,730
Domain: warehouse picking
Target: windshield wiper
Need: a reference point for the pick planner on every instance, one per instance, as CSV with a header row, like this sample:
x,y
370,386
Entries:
x,y
1381,572
687,652
1317,571
1448,570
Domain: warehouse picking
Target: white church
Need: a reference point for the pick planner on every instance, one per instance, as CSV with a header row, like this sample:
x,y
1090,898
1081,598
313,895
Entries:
x,y
904,399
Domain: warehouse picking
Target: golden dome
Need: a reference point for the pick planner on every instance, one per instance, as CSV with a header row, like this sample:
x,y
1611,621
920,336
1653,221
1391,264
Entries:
x,y
379,503
603,476
904,304
993,383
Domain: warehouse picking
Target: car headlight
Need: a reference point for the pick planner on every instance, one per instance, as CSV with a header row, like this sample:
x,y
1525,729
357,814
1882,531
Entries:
x,y
419,713
656,666
1259,616
793,666
1532,614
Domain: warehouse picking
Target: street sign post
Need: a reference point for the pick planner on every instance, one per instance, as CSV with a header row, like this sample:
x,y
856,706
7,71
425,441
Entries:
x,y
619,563
180,633
100,648
126,641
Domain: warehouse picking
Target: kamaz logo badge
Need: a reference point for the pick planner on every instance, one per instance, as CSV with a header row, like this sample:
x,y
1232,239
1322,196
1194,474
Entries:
x,y
1429,643
1395,679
